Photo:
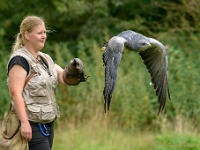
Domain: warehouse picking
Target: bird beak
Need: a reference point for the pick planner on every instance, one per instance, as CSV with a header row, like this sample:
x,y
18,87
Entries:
x,y
148,44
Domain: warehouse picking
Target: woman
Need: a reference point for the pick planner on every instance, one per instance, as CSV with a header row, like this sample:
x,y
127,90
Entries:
x,y
35,104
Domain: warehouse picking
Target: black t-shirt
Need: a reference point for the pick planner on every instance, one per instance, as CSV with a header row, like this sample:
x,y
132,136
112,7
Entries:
x,y
19,61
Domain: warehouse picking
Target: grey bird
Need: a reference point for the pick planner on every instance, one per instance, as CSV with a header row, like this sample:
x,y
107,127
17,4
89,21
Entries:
x,y
153,54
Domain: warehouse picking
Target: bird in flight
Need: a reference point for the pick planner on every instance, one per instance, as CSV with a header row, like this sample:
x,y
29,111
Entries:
x,y
153,54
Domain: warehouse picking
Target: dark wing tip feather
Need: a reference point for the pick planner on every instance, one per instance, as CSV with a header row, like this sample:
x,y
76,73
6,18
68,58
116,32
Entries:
x,y
168,92
107,100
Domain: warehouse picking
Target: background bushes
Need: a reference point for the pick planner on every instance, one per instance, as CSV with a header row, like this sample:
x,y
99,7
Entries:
x,y
78,30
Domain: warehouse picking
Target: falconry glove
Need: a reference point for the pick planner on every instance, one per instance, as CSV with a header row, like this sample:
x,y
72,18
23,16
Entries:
x,y
74,72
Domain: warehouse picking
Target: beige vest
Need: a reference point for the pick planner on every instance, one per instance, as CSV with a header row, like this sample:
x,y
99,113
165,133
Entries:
x,y
40,92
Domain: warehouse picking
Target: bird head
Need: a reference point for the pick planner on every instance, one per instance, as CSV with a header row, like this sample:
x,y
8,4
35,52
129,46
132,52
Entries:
x,y
138,44
143,44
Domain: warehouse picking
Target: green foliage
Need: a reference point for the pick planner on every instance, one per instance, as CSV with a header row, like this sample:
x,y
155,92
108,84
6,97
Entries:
x,y
78,30
4,102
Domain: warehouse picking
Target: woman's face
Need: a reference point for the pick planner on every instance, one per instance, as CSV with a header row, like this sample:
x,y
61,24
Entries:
x,y
37,37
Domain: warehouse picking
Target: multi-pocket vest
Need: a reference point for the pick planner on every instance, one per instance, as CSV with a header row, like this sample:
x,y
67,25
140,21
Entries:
x,y
40,92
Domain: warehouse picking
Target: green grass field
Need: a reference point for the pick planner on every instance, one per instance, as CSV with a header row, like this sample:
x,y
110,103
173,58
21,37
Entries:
x,y
95,135
98,136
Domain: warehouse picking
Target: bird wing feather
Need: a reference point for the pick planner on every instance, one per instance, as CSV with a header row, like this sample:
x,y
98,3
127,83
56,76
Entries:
x,y
156,62
111,59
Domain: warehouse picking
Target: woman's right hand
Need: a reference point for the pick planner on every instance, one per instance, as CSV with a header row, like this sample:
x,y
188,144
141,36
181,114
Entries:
x,y
26,130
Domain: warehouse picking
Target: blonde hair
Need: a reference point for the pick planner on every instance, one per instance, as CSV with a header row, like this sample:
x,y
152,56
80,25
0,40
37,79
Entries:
x,y
27,24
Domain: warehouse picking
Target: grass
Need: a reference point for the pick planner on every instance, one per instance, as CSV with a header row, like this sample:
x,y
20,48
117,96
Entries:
x,y
100,135
95,135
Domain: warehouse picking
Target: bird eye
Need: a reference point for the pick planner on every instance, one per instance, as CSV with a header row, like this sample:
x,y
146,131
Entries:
x,y
143,44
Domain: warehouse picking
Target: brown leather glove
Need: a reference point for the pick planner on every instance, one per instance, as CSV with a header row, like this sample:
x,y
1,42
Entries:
x,y
74,72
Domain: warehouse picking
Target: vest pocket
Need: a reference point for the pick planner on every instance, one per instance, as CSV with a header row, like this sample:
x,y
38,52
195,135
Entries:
x,y
38,89
47,113
38,93
41,113
33,112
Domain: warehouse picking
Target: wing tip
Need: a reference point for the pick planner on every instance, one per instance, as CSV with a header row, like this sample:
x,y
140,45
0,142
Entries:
x,y
160,110
107,101
162,105
106,106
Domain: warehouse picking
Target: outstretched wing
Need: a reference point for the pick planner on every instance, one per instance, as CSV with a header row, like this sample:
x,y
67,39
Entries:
x,y
156,62
111,59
